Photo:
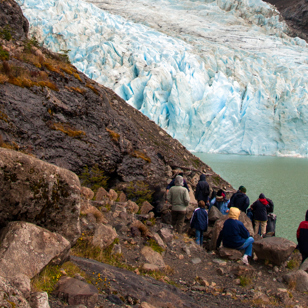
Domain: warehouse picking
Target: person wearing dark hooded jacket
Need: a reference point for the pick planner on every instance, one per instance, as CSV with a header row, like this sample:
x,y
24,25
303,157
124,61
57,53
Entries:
x,y
202,189
259,209
199,222
240,200
302,238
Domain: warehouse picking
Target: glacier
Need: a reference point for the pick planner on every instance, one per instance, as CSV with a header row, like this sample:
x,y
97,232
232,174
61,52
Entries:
x,y
220,76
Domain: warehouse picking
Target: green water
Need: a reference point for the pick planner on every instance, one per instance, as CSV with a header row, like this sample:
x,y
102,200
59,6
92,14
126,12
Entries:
x,y
282,179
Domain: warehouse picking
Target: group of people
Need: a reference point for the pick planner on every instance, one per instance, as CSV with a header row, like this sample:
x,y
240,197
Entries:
x,y
234,234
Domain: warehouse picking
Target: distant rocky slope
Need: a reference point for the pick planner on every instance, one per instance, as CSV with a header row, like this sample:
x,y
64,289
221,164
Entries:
x,y
50,110
295,13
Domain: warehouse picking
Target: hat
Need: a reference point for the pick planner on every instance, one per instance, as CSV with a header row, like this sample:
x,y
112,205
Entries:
x,y
242,189
261,196
234,213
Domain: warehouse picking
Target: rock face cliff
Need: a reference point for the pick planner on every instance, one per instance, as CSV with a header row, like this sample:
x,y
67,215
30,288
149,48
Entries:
x,y
295,13
51,111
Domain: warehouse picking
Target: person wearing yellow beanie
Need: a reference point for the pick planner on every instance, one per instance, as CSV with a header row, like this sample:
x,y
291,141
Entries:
x,y
235,235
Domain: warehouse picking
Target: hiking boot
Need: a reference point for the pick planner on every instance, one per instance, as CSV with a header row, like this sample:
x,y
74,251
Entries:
x,y
245,260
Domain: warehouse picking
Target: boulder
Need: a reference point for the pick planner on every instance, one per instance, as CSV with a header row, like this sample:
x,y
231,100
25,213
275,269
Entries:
x,y
153,257
192,198
101,194
76,292
132,207
22,283
39,300
10,296
150,267
26,249
159,240
34,191
298,280
274,249
166,235
304,266
231,254
104,236
87,193
214,214
112,195
146,207
189,211
142,228
122,197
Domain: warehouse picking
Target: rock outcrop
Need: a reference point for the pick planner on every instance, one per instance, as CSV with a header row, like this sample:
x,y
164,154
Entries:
x,y
26,249
38,192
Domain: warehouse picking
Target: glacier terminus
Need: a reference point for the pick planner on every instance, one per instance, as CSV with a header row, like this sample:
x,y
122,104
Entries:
x,y
221,76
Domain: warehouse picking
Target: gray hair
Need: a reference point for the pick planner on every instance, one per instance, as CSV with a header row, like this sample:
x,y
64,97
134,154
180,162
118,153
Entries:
x,y
178,181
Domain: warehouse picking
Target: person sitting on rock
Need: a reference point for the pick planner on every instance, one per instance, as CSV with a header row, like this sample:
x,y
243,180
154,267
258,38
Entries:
x,y
202,190
235,235
179,198
259,209
302,238
199,222
172,183
240,199
221,202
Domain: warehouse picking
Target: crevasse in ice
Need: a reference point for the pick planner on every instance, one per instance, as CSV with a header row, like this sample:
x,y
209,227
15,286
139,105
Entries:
x,y
220,76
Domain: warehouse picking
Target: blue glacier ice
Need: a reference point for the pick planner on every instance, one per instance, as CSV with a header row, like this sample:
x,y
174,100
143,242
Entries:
x,y
221,76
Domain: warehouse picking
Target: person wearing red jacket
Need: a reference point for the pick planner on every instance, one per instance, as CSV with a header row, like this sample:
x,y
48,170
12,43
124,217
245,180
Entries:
x,y
302,238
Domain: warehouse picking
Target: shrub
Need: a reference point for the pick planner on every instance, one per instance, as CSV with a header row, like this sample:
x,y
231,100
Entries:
x,y
93,178
153,244
92,88
31,42
4,55
6,33
139,192
3,78
293,264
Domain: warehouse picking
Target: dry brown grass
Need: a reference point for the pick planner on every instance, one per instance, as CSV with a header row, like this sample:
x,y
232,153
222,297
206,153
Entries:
x,y
114,136
142,155
3,78
88,85
68,130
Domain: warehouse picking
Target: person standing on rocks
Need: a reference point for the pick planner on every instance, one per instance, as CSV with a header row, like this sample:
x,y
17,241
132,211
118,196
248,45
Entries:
x,y
179,198
302,238
234,235
199,222
172,182
259,209
202,190
240,199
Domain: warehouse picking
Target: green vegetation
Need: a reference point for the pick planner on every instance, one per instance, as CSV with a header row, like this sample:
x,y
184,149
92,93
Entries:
x,y
93,178
48,278
4,55
245,281
6,33
64,55
216,180
84,248
139,192
153,244
30,43
293,264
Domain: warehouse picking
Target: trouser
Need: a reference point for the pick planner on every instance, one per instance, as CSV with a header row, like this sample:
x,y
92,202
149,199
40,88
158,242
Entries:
x,y
304,257
247,246
263,226
178,218
199,237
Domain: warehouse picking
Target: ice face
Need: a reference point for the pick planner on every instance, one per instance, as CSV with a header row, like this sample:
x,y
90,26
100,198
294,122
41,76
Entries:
x,y
220,76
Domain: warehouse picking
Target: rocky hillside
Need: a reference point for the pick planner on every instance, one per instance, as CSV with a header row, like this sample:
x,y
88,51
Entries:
x,y
295,13
51,111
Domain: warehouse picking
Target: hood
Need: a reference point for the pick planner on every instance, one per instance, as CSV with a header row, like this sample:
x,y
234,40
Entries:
x,y
178,180
234,213
306,218
202,177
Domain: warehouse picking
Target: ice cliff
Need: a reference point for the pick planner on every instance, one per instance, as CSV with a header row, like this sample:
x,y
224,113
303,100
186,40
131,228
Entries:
x,y
220,76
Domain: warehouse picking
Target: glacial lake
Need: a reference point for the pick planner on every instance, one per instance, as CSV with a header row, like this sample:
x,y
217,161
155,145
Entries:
x,y
282,179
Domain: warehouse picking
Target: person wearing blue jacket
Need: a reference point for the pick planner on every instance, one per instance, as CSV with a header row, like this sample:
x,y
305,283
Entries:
x,y
235,235
199,221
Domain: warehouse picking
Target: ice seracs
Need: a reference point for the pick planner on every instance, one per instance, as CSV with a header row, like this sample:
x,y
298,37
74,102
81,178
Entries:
x,y
220,76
